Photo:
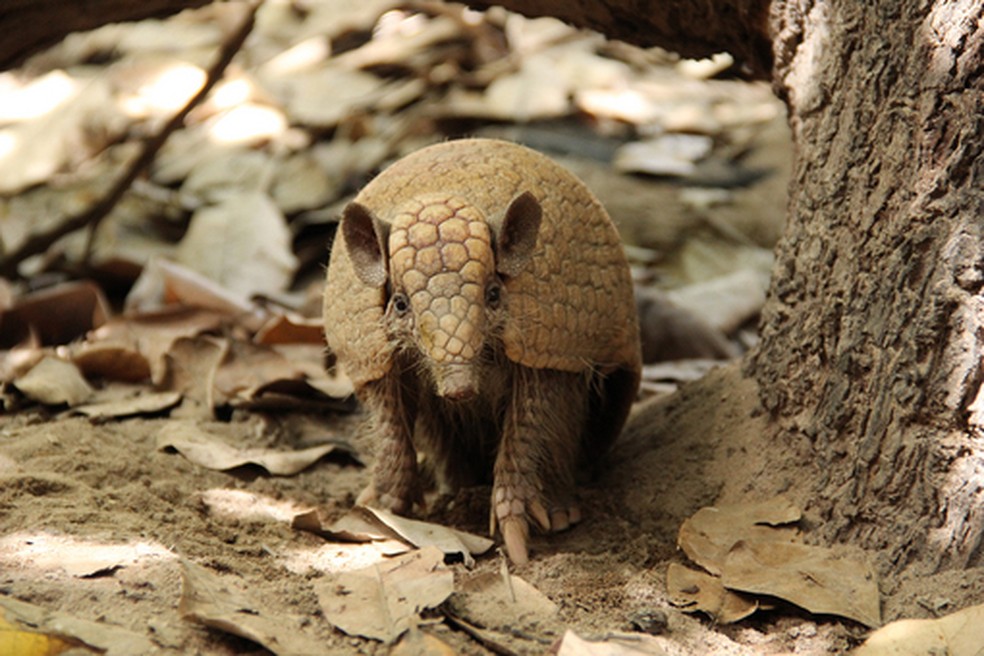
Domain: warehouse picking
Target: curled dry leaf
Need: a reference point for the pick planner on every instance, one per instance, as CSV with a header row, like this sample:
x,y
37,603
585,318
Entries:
x,y
52,381
192,363
149,334
423,534
210,451
220,603
363,524
134,404
79,306
384,600
111,362
693,591
670,332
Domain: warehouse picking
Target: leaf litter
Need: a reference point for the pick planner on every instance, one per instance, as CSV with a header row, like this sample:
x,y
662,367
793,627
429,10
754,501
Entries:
x,y
165,310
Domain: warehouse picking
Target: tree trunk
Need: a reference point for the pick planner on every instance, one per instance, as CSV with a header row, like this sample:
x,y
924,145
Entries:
x,y
872,337
870,360
30,25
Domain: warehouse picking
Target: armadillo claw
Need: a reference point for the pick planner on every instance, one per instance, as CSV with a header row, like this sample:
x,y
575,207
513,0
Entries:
x,y
515,533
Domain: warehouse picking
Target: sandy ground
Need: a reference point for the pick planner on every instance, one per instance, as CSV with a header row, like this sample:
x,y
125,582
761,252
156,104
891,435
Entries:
x,y
94,521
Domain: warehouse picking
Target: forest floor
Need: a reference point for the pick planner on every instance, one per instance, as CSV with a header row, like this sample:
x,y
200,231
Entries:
x,y
139,514
97,522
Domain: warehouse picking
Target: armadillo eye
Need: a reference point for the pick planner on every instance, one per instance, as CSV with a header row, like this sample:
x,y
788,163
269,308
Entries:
x,y
401,304
493,294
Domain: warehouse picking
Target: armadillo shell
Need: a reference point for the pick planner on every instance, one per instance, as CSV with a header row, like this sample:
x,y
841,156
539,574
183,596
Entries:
x,y
572,309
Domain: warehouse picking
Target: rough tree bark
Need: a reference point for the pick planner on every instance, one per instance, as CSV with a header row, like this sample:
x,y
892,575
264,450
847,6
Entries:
x,y
872,338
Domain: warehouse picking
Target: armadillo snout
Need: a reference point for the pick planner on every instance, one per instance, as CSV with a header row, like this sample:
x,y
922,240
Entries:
x,y
441,258
456,382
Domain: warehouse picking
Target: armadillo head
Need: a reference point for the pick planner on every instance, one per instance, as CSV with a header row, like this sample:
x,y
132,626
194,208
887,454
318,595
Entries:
x,y
444,263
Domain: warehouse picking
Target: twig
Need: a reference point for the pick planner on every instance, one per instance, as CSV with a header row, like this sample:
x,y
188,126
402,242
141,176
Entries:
x,y
93,215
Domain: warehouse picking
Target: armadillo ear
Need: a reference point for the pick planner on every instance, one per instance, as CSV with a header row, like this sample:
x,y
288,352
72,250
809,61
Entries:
x,y
518,233
365,237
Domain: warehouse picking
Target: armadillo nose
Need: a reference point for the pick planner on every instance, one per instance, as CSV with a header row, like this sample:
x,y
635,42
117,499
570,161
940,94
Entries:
x,y
457,382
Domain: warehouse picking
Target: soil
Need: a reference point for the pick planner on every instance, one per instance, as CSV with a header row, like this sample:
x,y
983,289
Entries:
x,y
69,487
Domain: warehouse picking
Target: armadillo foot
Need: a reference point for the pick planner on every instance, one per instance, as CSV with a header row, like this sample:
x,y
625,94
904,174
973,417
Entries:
x,y
399,503
515,507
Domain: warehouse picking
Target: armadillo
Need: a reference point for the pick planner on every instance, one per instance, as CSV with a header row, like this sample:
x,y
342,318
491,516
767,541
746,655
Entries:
x,y
479,299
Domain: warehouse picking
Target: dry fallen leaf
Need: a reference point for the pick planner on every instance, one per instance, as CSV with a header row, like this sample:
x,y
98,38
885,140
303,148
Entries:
x,y
422,534
506,604
79,307
669,154
15,640
627,645
243,243
815,578
192,363
209,450
111,362
52,381
419,643
219,603
151,334
725,302
956,634
357,525
384,600
104,637
139,403
693,591
709,534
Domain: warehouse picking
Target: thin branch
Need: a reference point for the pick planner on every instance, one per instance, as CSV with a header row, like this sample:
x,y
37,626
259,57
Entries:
x,y
92,216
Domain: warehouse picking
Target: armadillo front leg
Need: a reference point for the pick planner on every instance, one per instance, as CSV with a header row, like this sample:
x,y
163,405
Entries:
x,y
534,469
389,424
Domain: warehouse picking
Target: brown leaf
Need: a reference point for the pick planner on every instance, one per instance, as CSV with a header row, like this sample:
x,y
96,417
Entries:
x,y
709,534
52,381
505,603
107,638
111,362
165,283
17,640
208,450
422,534
383,600
291,329
693,591
57,315
243,243
219,603
815,578
152,334
630,645
419,643
140,403
192,363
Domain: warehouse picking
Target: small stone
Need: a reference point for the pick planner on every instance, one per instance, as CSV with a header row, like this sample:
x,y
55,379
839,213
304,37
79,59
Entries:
x,y
651,620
